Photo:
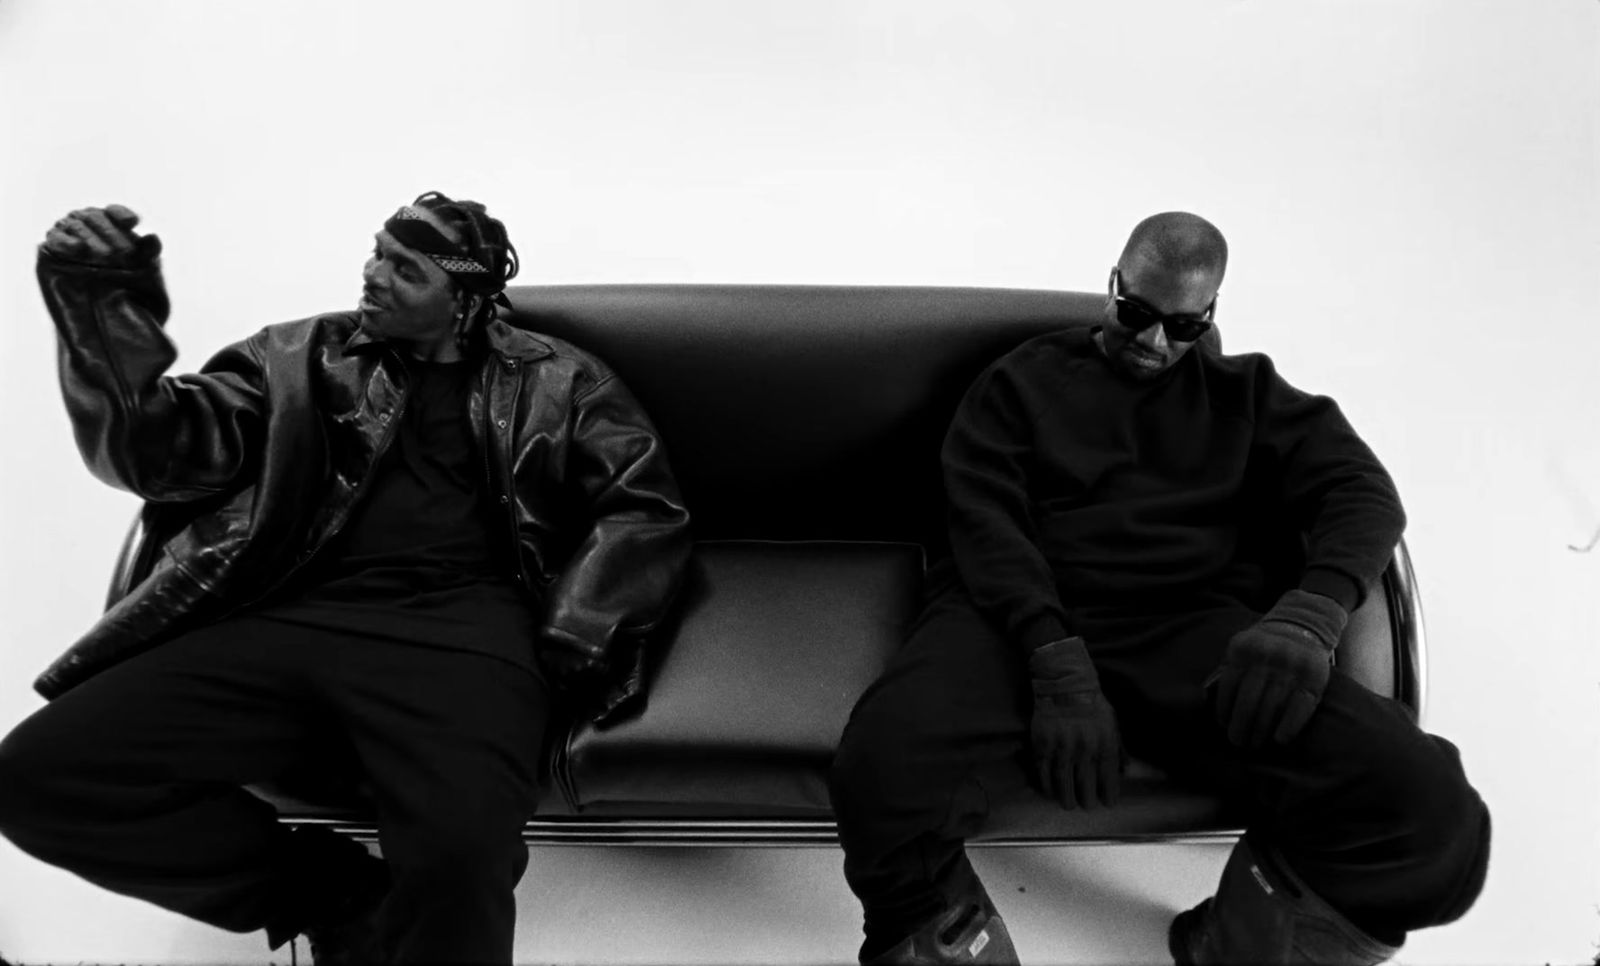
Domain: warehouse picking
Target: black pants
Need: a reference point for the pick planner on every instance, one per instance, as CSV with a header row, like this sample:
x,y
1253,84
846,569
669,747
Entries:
x,y
1373,813
132,781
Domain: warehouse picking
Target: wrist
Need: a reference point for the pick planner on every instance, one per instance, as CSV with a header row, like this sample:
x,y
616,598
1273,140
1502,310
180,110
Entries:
x,y
1343,589
1039,631
1320,616
1085,699
1061,667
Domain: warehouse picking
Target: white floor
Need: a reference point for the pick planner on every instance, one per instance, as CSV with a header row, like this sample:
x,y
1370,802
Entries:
x,y
1065,905
1077,905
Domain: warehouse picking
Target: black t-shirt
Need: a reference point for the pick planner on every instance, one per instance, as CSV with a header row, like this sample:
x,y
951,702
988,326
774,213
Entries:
x,y
421,519
421,560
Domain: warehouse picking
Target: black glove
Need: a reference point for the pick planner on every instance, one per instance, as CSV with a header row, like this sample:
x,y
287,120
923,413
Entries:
x,y
102,237
1076,749
1273,672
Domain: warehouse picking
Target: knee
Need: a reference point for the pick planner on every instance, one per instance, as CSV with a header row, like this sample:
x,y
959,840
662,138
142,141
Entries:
x,y
456,849
1396,832
1463,882
23,765
1438,825
904,770
1443,836
897,756
14,776
1428,795
1459,828
859,765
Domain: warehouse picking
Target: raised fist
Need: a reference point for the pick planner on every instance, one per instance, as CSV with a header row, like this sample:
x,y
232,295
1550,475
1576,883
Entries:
x,y
101,236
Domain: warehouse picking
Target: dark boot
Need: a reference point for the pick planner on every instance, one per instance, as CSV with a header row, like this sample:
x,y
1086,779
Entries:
x,y
330,890
969,931
348,935
1263,915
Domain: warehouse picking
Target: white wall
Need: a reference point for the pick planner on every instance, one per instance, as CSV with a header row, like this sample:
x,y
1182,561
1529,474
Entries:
x,y
1411,189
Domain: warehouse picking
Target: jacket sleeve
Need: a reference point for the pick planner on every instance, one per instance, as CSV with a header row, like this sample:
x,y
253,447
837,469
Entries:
x,y
987,457
163,438
1333,486
621,579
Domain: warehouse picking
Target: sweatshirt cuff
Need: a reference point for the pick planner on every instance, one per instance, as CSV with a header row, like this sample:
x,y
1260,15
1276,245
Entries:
x,y
1331,583
1039,631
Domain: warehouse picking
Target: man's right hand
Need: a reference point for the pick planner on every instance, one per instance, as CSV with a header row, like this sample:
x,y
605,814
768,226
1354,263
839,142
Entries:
x,y
102,237
1077,750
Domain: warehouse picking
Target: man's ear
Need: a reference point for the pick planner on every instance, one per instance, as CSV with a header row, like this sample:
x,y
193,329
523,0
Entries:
x,y
1108,311
467,304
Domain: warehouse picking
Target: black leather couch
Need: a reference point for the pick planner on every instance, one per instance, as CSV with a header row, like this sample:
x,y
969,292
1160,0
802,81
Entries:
x,y
804,424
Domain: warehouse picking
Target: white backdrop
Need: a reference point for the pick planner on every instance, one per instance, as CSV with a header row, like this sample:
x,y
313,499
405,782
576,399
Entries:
x,y
1411,190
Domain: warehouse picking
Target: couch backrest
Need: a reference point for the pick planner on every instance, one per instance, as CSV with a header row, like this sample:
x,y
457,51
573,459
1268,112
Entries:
x,y
802,412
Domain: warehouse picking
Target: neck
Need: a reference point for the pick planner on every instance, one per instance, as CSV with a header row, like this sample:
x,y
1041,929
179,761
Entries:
x,y
441,350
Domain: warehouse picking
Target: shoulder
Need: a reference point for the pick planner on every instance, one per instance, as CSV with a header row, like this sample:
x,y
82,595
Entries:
x,y
1076,342
283,342
1047,356
1038,376
1253,379
303,334
548,357
1248,366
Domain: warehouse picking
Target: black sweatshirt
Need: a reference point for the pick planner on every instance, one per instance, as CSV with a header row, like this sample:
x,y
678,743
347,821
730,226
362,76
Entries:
x,y
1069,484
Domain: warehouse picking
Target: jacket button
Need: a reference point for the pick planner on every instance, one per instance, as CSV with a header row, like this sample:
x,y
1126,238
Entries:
x,y
501,423
504,499
383,417
511,363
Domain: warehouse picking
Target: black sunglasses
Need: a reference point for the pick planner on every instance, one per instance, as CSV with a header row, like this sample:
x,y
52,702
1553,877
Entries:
x,y
1138,317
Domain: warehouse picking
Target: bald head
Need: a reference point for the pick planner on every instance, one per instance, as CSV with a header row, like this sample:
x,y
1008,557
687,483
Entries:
x,y
1170,269
1177,243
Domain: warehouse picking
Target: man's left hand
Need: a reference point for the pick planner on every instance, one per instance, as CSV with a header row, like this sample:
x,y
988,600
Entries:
x,y
103,237
1273,672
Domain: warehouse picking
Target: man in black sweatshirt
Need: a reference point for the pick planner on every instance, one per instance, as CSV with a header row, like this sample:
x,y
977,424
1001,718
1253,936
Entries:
x,y
1156,548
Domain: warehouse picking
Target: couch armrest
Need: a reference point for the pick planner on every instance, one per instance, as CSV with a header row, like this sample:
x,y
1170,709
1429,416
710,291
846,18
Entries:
x,y
132,561
1383,646
1405,623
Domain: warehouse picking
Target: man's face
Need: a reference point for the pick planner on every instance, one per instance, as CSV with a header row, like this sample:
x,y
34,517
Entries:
x,y
406,296
1148,353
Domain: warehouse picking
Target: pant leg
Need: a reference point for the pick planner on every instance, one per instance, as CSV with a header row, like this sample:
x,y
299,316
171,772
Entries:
x,y
451,742
1374,814
131,780
939,734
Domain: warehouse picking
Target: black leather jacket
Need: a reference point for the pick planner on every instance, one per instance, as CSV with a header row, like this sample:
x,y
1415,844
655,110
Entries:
x,y
252,464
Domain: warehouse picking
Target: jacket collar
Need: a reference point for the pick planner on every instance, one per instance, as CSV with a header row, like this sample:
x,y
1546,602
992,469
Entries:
x,y
506,341
513,343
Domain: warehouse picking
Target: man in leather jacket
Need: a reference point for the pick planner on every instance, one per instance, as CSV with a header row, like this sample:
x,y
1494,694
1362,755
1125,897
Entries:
x,y
408,533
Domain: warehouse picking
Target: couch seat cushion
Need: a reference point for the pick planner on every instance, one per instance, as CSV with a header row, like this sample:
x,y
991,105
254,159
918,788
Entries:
x,y
774,643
